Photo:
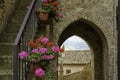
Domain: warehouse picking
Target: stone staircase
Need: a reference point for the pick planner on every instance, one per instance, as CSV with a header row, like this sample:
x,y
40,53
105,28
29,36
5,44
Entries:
x,y
7,38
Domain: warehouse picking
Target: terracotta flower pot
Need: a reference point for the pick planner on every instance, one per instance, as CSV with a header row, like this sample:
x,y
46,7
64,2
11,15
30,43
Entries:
x,y
43,16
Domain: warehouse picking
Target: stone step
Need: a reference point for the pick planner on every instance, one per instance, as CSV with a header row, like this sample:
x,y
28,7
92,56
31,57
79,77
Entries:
x,y
20,13
6,74
6,49
17,20
22,7
25,2
6,77
7,40
6,62
13,28
8,35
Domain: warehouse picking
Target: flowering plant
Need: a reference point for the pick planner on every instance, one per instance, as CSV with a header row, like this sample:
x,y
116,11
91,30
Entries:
x,y
42,53
53,8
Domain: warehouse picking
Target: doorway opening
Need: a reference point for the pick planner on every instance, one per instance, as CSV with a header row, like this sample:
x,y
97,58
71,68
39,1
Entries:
x,y
77,60
95,40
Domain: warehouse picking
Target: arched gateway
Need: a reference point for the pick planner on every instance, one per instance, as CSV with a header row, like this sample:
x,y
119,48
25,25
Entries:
x,y
95,22
96,40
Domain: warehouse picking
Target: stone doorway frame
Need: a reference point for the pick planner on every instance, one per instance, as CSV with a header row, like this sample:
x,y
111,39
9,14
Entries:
x,y
95,39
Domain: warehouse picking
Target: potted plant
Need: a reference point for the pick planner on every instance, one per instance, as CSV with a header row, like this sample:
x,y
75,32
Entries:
x,y
41,55
52,8
43,16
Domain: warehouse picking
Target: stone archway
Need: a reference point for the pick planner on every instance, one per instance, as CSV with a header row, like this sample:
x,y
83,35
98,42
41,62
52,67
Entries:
x,y
96,40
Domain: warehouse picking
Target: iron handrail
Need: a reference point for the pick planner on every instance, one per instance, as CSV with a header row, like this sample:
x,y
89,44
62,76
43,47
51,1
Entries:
x,y
17,43
24,23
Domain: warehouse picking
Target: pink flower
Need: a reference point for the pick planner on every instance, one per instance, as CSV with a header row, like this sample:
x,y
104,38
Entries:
x,y
57,68
23,55
35,50
43,50
44,40
60,15
45,57
48,57
36,60
39,72
45,1
51,57
27,7
55,49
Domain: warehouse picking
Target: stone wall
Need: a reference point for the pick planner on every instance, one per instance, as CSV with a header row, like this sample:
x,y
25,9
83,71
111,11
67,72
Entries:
x,y
76,57
6,10
74,68
75,61
85,74
101,13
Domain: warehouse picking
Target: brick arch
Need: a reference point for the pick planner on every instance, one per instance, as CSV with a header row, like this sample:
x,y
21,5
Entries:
x,y
96,39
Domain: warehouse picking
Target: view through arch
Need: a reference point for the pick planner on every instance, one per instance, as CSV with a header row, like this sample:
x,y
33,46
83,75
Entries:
x,y
77,61
96,40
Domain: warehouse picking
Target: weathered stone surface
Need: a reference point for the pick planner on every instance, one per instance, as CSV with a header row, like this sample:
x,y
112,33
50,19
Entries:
x,y
6,11
102,14
76,57
9,34
85,74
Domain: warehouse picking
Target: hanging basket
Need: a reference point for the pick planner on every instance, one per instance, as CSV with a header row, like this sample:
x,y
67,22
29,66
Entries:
x,y
43,16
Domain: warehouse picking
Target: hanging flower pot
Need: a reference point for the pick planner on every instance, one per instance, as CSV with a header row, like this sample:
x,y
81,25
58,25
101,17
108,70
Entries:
x,y
40,58
43,16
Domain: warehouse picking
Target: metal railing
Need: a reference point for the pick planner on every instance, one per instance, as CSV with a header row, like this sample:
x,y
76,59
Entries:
x,y
27,32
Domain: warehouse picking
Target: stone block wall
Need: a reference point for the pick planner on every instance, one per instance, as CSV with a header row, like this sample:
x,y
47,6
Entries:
x,y
6,10
101,13
85,74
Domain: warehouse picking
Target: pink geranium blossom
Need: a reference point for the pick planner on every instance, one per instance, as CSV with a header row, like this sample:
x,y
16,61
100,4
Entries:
x,y
43,50
41,53
39,72
36,60
35,50
48,57
44,40
60,15
27,7
55,49
23,55
57,68
45,1
45,57
51,57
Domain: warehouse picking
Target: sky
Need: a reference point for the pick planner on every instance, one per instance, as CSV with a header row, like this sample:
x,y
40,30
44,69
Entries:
x,y
75,43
